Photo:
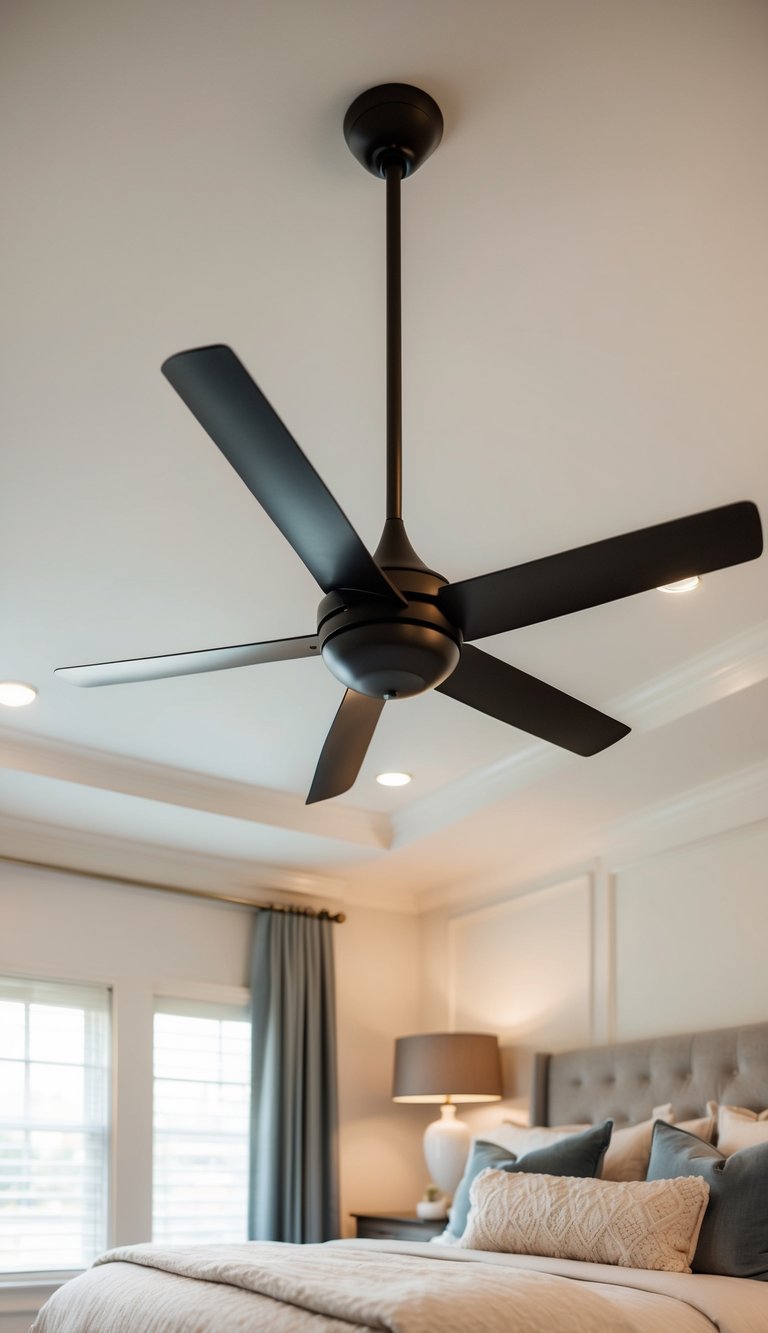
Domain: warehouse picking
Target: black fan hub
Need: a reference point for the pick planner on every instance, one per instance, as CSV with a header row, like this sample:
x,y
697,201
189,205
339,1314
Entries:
x,y
390,660
384,650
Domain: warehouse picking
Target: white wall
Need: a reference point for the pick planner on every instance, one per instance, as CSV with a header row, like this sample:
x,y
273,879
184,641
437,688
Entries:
x,y
378,979
141,943
521,967
691,927
671,940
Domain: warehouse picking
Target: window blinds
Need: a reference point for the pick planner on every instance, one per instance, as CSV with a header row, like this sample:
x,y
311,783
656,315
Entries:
x,y
201,1115
54,1124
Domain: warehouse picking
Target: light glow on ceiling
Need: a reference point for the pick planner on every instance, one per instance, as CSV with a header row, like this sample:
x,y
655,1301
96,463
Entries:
x,y
393,779
682,585
15,695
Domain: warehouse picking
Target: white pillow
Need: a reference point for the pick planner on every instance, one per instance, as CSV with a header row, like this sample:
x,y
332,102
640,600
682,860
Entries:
x,y
522,1139
633,1223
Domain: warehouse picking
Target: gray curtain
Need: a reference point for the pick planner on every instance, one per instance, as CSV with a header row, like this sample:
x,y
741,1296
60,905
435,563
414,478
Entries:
x,y
294,1113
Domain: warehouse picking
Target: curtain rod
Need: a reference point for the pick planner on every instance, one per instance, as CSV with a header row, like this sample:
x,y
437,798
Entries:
x,y
323,913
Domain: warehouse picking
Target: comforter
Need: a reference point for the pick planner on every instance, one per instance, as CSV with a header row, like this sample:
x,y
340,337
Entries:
x,y
386,1285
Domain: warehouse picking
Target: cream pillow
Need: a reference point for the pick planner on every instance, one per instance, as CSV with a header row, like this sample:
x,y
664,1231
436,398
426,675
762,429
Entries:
x,y
703,1127
522,1139
634,1223
739,1128
629,1150
627,1155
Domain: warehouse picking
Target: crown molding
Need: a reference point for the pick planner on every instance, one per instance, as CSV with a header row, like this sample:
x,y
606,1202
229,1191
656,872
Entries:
x,y
87,767
732,666
457,800
737,664
713,809
72,850
710,810
499,886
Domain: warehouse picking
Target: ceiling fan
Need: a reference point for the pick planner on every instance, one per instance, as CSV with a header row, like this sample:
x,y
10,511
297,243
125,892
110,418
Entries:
x,y
388,626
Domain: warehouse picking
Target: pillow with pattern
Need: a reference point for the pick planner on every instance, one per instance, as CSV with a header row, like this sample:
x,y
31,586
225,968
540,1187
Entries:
x,y
631,1223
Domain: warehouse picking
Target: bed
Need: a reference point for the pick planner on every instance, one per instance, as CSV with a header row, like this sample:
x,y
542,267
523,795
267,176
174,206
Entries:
x,y
422,1288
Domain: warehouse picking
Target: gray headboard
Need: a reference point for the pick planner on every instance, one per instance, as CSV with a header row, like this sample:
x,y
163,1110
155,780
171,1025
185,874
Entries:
x,y
625,1081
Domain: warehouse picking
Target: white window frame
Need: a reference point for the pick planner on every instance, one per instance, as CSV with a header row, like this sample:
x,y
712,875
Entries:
x,y
130,1159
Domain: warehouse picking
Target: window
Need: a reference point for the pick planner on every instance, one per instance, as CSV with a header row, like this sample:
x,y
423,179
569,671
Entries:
x,y
201,1122
54,1124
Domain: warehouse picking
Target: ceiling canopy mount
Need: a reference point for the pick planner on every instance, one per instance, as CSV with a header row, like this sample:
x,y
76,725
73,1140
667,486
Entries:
x,y
393,122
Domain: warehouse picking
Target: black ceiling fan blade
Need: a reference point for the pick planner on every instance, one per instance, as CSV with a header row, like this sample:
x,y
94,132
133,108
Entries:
x,y
345,747
189,664
500,690
218,390
604,571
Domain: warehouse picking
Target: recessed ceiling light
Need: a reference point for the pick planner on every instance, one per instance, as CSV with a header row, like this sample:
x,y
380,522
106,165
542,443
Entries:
x,y
682,585
15,695
393,779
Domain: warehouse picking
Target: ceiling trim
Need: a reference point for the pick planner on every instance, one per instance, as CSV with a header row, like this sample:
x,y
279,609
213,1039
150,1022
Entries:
x,y
739,799
174,786
153,886
705,811
735,665
76,850
73,849
732,666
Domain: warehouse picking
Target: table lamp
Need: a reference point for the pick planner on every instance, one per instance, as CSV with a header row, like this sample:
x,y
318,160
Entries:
x,y
447,1067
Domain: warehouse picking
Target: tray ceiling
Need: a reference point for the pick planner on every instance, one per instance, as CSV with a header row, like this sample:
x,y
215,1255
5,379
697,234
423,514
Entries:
x,y
585,333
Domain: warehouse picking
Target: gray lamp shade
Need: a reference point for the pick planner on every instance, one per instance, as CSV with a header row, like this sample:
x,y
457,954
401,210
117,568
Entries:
x,y
447,1066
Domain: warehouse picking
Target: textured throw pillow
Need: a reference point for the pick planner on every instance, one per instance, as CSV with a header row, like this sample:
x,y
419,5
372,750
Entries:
x,y
481,1155
630,1147
634,1223
739,1128
734,1234
577,1155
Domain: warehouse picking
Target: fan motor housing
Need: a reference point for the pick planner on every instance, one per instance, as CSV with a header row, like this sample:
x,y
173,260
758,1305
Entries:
x,y
388,652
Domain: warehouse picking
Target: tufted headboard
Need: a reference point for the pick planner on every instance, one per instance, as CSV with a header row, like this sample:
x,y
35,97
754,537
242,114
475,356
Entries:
x,y
626,1080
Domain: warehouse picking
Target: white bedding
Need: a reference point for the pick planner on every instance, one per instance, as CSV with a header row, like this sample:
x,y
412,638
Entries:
x,y
387,1285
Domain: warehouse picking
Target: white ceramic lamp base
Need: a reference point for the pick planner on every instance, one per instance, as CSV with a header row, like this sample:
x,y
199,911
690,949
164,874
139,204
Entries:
x,y
446,1145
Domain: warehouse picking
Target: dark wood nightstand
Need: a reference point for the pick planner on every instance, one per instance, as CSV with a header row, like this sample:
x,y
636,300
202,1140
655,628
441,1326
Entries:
x,y
396,1226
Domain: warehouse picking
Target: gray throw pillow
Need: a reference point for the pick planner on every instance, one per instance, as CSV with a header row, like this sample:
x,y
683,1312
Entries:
x,y
734,1234
577,1155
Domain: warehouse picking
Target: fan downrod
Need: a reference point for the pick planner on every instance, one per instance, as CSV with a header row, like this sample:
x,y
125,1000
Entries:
x,y
393,121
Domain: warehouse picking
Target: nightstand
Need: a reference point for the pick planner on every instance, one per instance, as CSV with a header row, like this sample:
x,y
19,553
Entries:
x,y
396,1226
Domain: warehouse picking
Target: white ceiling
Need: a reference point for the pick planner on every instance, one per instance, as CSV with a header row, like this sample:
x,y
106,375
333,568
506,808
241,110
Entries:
x,y
585,337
